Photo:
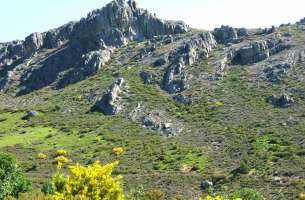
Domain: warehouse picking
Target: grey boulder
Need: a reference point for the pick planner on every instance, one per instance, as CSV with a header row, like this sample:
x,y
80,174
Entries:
x,y
225,34
109,104
258,51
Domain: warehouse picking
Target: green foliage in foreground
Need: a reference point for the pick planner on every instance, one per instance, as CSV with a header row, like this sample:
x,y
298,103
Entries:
x,y
248,194
12,181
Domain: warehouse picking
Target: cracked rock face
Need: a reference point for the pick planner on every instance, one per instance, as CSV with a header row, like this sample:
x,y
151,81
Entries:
x,y
258,51
192,50
109,104
78,49
225,34
120,22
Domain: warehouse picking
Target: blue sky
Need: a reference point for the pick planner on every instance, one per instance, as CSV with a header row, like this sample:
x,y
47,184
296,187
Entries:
x,y
19,18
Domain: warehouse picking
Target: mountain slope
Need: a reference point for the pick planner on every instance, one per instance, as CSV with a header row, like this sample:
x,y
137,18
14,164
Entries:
x,y
189,106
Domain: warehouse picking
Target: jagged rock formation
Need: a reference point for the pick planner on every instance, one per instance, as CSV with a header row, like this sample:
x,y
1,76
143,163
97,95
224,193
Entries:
x,y
258,51
228,34
197,47
11,52
77,50
109,104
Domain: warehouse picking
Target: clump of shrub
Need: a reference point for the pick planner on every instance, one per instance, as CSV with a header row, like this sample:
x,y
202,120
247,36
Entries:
x,y
218,197
41,156
118,150
248,194
12,180
61,152
61,160
94,182
31,196
154,195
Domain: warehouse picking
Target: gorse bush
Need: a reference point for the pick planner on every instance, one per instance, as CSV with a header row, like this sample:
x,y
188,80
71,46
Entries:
x,y
61,152
219,197
61,160
42,156
94,182
12,181
118,150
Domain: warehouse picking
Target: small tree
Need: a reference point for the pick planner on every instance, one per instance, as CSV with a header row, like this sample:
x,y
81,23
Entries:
x,y
12,180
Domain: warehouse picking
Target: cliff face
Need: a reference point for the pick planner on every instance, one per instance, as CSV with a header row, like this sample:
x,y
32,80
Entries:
x,y
64,55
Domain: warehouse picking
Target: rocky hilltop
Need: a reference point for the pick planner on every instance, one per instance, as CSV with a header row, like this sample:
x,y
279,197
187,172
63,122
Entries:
x,y
197,110
77,50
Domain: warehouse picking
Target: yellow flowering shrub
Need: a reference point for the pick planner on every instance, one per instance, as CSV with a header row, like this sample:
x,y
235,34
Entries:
x,y
118,150
61,160
94,182
41,156
61,152
218,197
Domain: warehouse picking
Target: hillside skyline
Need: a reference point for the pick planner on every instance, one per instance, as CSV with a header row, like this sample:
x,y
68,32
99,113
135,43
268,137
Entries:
x,y
33,16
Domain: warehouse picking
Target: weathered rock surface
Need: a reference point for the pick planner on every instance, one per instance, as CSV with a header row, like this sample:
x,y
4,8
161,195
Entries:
x,y
258,51
275,73
109,104
225,34
282,101
79,49
196,48
228,34
156,120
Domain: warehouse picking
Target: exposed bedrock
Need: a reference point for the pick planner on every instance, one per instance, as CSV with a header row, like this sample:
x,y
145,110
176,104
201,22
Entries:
x,y
196,48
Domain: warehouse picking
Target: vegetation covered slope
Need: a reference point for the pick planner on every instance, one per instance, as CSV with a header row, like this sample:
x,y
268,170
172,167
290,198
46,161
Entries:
x,y
230,134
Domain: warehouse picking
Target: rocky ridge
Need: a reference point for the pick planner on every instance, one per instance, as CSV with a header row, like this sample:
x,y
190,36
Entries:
x,y
79,49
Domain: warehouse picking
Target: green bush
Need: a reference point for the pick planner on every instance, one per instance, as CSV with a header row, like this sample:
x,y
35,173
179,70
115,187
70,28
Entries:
x,y
12,181
248,194
244,166
47,188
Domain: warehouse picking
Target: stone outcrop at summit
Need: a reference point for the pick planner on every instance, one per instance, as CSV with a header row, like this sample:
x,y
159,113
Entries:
x,y
77,50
